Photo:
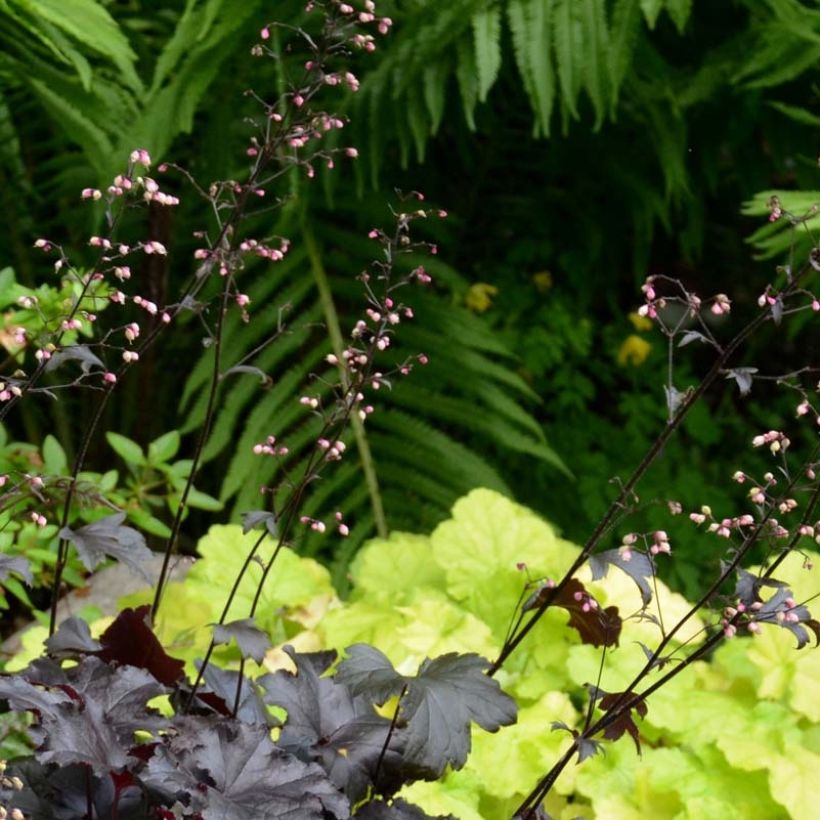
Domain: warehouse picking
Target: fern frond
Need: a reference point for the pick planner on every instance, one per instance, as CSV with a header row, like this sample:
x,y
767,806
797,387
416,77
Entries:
x,y
623,37
785,237
425,438
487,40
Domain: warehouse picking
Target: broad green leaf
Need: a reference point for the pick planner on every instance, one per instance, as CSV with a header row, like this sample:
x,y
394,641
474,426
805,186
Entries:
x,y
482,546
164,448
128,450
54,456
203,501
793,781
394,569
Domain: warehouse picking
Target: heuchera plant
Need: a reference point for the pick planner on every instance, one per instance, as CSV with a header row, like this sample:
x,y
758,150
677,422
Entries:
x,y
119,727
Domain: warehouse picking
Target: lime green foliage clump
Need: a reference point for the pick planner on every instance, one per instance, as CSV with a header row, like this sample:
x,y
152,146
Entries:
x,y
733,738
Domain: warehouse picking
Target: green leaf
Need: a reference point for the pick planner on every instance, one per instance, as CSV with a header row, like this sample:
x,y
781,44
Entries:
x,y
54,456
651,9
203,501
90,23
164,448
435,90
569,59
623,36
595,36
467,75
128,450
487,39
69,113
679,11
796,113
393,569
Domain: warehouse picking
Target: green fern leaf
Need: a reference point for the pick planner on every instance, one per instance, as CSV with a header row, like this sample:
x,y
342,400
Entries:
x,y
596,40
467,75
487,39
797,114
679,11
69,112
89,22
651,9
569,55
435,92
530,24
623,36
417,118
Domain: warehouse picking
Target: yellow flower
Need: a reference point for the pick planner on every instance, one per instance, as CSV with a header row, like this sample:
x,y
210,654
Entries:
x,y
542,280
640,322
479,297
634,351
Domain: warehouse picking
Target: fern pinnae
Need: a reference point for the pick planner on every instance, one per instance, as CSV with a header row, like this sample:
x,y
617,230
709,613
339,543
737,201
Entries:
x,y
593,27
567,58
487,44
623,36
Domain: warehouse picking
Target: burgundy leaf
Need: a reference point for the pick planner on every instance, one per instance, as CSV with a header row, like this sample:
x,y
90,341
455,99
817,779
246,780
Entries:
x,y
129,640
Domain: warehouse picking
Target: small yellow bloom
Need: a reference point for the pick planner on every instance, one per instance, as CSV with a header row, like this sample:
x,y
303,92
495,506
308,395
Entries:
x,y
634,351
640,322
542,280
479,297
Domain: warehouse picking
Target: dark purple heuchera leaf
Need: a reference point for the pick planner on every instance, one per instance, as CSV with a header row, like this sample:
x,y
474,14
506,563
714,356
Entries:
x,y
251,640
74,353
121,693
596,626
223,683
23,696
440,702
329,724
16,564
447,694
395,810
109,538
778,612
638,567
63,793
233,771
748,586
585,746
743,377
72,638
367,671
129,640
251,520
87,714
624,722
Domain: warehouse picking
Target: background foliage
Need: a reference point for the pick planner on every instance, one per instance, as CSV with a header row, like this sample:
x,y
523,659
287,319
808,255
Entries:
x,y
577,145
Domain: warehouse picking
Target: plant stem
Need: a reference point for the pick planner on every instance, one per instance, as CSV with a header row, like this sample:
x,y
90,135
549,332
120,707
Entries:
x,y
337,342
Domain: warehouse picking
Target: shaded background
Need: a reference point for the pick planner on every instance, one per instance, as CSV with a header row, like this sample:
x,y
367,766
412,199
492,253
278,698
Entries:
x,y
578,146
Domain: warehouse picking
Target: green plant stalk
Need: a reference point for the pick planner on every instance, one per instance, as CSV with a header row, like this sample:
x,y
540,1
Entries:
x,y
337,342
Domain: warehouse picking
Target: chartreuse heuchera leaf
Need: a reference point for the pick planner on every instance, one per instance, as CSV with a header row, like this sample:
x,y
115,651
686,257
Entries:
x,y
735,737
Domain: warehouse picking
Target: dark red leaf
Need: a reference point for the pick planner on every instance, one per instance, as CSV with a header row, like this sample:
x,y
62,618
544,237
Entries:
x,y
596,626
624,722
129,640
